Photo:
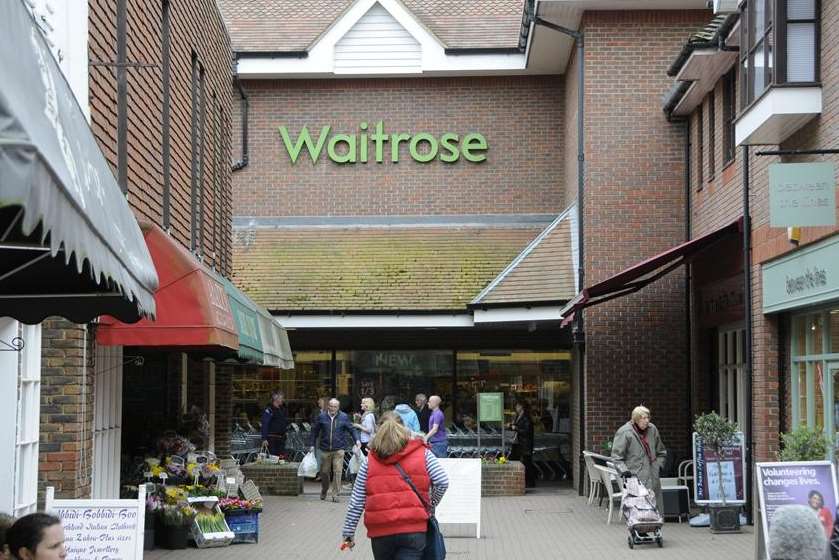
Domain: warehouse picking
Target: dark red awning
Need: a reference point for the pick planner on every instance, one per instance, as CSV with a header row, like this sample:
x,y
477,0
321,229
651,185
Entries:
x,y
192,306
637,276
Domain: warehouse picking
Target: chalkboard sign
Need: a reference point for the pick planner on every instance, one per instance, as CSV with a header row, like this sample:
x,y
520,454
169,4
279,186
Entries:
x,y
462,501
707,486
99,529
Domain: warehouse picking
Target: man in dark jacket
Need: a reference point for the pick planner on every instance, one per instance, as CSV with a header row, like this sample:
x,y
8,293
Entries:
x,y
332,433
275,424
423,412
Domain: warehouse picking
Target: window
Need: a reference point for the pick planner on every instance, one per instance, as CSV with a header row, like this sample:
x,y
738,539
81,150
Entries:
x,y
700,147
815,370
780,44
731,363
729,94
712,135
197,128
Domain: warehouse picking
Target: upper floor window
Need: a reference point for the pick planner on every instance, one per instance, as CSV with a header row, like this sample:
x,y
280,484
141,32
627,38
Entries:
x,y
779,45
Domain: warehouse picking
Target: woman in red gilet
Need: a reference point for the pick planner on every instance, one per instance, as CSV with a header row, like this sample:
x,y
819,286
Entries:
x,y
395,518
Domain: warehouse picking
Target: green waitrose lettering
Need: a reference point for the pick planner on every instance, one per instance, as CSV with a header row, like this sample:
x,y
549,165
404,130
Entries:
x,y
355,148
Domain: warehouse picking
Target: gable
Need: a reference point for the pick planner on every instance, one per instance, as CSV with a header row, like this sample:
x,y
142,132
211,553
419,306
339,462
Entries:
x,y
377,43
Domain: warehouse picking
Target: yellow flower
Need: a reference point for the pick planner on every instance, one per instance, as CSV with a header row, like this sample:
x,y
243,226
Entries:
x,y
157,470
502,460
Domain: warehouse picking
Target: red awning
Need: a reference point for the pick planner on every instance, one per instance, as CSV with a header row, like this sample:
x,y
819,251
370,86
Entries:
x,y
192,307
637,276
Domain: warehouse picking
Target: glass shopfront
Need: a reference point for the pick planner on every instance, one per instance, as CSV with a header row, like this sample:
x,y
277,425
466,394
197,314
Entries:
x,y
815,370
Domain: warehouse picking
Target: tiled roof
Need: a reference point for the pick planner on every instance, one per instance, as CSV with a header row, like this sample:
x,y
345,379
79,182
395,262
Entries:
x,y
544,271
292,25
420,268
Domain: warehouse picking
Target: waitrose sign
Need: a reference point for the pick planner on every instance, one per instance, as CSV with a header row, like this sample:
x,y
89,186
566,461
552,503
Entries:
x,y
374,143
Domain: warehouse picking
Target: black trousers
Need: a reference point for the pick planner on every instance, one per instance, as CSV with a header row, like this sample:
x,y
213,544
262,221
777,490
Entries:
x,y
407,546
276,444
526,460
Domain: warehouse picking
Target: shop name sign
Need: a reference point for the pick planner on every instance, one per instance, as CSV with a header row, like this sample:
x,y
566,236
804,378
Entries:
x,y
374,143
802,194
809,276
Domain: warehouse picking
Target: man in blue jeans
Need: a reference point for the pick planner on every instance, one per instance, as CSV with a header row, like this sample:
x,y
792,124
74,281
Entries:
x,y
437,435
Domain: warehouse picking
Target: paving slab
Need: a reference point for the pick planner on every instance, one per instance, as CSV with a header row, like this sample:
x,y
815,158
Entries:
x,y
546,524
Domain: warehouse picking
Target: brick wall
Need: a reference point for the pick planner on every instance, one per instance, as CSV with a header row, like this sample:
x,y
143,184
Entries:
x,y
502,480
67,396
196,27
521,118
635,204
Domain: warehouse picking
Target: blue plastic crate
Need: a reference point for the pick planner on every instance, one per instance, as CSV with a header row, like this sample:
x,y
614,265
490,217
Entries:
x,y
245,525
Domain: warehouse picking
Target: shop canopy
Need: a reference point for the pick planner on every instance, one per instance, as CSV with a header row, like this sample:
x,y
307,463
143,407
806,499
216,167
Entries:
x,y
193,310
261,339
636,277
69,244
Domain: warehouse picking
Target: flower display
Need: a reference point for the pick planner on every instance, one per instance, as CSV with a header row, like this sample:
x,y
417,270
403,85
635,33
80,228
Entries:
x,y
211,522
177,515
237,504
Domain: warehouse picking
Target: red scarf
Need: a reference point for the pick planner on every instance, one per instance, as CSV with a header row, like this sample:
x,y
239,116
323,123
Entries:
x,y
643,437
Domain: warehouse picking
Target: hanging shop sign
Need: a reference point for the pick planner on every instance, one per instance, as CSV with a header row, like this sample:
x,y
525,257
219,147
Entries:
x,y
97,529
802,194
373,143
808,276
805,483
714,480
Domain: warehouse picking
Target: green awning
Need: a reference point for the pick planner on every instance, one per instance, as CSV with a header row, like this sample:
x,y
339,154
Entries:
x,y
246,317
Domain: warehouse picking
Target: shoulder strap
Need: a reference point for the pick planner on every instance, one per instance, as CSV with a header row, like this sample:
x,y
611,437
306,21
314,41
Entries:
x,y
407,479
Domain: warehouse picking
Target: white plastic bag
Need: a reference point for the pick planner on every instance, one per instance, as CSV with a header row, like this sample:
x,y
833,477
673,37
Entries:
x,y
308,466
355,462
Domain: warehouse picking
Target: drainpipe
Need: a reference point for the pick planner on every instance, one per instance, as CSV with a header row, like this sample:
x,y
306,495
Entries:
x,y
579,339
688,282
747,293
245,105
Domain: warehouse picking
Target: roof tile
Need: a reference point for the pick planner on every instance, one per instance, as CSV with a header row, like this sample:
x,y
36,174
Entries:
x,y
372,268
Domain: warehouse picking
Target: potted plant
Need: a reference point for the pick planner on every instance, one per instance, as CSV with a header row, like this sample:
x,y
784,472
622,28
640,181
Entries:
x,y
804,444
154,506
717,433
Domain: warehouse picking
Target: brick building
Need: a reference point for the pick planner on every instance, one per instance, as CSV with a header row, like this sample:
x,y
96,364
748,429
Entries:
x,y
158,78
449,277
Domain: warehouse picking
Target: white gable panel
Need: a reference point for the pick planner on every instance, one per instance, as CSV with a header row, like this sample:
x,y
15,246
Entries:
x,y
377,44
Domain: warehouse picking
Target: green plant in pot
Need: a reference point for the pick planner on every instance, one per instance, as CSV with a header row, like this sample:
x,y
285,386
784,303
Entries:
x,y
717,433
175,520
804,444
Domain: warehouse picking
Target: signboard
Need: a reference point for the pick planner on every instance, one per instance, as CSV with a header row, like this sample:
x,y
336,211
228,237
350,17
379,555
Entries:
x,y
462,501
806,483
802,194
708,488
809,276
490,407
101,529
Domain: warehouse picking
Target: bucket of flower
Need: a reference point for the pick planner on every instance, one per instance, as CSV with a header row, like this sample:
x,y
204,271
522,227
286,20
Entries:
x,y
242,517
209,529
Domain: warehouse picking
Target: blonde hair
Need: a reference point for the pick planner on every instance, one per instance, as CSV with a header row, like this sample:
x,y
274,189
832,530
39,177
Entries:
x,y
391,436
371,404
639,412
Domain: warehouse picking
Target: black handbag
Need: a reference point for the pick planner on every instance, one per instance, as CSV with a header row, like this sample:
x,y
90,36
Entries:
x,y
435,546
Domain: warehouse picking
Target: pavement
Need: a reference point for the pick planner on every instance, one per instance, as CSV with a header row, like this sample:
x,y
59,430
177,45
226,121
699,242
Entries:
x,y
549,523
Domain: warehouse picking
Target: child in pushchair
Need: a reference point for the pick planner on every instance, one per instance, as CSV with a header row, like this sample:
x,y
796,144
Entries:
x,y
639,510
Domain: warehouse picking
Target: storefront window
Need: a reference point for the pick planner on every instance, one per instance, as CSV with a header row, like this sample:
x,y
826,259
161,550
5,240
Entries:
x,y
542,379
310,379
815,367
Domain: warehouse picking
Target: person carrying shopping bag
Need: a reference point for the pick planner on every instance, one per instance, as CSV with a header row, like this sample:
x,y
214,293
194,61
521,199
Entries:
x,y
332,434
398,488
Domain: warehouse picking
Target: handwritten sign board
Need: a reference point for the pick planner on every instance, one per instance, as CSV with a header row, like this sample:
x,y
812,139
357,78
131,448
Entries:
x,y
802,194
101,529
707,486
491,407
803,483
462,501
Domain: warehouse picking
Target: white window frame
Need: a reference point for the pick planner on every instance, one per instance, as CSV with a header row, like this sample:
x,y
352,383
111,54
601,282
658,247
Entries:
x,y
731,367
107,422
828,361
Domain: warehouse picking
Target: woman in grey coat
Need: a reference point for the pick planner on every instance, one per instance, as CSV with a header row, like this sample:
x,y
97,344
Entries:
x,y
637,448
